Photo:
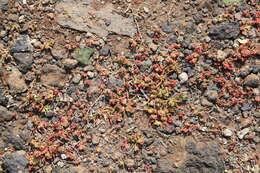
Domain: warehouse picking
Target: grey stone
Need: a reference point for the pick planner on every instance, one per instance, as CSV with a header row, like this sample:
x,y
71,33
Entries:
x,y
15,141
204,159
167,27
24,61
3,5
105,51
76,16
22,44
224,31
114,82
171,39
15,163
5,115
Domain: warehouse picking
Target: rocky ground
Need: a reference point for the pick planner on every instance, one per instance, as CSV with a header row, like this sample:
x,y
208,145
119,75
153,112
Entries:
x,y
148,86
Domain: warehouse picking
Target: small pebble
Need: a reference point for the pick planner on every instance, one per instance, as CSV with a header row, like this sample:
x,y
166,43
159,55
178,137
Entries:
x,y
252,80
183,77
212,95
76,78
241,134
227,133
146,10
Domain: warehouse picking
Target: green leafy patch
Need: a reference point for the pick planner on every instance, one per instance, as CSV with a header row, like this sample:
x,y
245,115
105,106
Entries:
x,y
84,55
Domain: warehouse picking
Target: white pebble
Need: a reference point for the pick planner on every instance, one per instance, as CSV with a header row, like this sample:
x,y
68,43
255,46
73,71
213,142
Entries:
x,y
183,77
243,132
227,133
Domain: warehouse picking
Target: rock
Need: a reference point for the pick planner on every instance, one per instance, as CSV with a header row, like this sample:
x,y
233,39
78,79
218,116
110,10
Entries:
x,y
206,158
164,166
205,102
83,56
114,83
212,95
183,77
167,27
19,86
243,132
69,63
22,44
221,55
146,64
102,20
59,52
153,47
76,78
105,51
146,10
171,39
3,5
252,80
36,43
15,141
24,61
95,140
245,71
227,133
224,31
3,98
5,115
15,163
54,76
247,106
130,163
91,74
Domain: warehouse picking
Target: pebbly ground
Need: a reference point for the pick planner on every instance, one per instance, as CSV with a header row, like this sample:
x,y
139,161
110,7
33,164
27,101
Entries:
x,y
129,86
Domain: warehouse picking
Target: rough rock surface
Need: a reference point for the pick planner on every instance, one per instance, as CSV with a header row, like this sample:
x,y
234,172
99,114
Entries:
x,y
22,44
106,22
15,163
224,31
52,75
5,115
16,81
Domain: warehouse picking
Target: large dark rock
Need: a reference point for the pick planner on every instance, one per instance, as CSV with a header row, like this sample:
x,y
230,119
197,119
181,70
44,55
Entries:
x,y
15,163
203,160
224,31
